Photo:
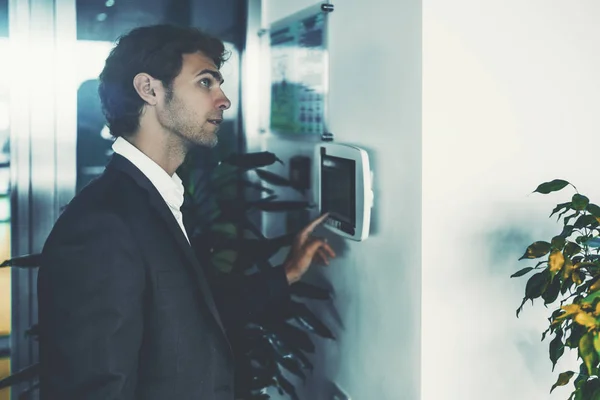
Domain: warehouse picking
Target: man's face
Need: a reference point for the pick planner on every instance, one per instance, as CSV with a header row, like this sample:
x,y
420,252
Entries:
x,y
193,108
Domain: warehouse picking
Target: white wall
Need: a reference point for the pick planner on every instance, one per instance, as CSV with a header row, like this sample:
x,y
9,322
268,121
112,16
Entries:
x,y
511,93
510,98
375,102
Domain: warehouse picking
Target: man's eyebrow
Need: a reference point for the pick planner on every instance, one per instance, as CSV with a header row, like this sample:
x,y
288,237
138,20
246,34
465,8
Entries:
x,y
216,74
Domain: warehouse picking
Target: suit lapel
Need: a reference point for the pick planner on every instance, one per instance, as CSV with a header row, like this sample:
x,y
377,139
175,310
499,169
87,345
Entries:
x,y
158,203
163,210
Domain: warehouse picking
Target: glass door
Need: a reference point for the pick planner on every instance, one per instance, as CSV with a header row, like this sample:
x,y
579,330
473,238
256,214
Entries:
x,y
37,67
5,273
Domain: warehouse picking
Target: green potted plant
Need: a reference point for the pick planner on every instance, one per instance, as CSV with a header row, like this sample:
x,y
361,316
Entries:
x,y
221,196
567,277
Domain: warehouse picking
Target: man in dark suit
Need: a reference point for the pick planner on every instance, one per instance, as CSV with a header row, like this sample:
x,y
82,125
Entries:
x,y
125,309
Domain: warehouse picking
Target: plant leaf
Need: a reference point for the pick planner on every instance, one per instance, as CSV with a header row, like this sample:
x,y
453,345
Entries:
x,y
571,248
560,207
252,251
24,375
552,186
303,289
291,365
258,187
587,352
309,321
286,386
570,310
285,356
252,160
589,299
577,278
287,351
566,285
521,306
570,216
597,342
558,242
567,231
556,260
582,239
294,336
552,291
563,379
557,348
579,202
522,272
585,220
563,212
577,331
594,210
585,319
536,250
567,269
545,333
537,284
272,178
247,224
224,260
28,261
225,228
591,386
595,285
223,173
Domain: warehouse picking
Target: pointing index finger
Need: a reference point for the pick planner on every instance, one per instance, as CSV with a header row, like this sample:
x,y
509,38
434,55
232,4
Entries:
x,y
311,227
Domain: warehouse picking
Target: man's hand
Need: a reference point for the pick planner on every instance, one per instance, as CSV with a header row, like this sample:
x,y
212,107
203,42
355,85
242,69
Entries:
x,y
304,249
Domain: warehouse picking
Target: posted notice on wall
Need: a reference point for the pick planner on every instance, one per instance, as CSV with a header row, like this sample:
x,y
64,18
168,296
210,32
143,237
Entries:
x,y
298,74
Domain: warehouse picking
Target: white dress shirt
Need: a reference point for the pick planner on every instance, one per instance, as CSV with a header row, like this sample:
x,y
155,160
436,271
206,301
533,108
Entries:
x,y
170,187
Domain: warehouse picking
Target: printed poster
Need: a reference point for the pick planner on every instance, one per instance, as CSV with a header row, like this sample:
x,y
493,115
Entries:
x,y
298,75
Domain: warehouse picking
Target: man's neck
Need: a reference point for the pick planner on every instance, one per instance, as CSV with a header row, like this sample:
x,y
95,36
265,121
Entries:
x,y
168,154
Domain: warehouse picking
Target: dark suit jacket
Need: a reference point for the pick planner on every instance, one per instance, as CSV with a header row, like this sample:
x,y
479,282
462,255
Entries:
x,y
125,309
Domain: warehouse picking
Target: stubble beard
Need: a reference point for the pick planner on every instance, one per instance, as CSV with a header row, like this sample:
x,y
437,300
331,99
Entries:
x,y
208,139
180,121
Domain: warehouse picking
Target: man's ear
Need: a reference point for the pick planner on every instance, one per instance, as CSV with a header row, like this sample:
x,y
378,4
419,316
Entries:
x,y
146,87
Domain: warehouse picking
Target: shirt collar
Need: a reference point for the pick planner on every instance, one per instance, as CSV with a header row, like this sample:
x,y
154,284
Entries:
x,y
170,187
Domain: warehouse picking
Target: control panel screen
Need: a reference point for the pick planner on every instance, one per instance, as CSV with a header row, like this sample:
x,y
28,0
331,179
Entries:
x,y
338,190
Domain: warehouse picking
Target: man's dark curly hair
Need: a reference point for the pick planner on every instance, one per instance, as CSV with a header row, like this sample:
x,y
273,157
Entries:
x,y
156,50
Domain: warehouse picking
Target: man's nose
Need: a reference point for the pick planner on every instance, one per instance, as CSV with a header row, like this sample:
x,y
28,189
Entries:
x,y
223,102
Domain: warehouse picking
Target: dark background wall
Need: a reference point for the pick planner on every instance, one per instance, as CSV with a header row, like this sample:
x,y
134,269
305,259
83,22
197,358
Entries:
x,y
107,19
3,18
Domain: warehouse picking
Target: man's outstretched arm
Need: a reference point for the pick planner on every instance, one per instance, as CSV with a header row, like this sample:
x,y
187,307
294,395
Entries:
x,y
267,294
